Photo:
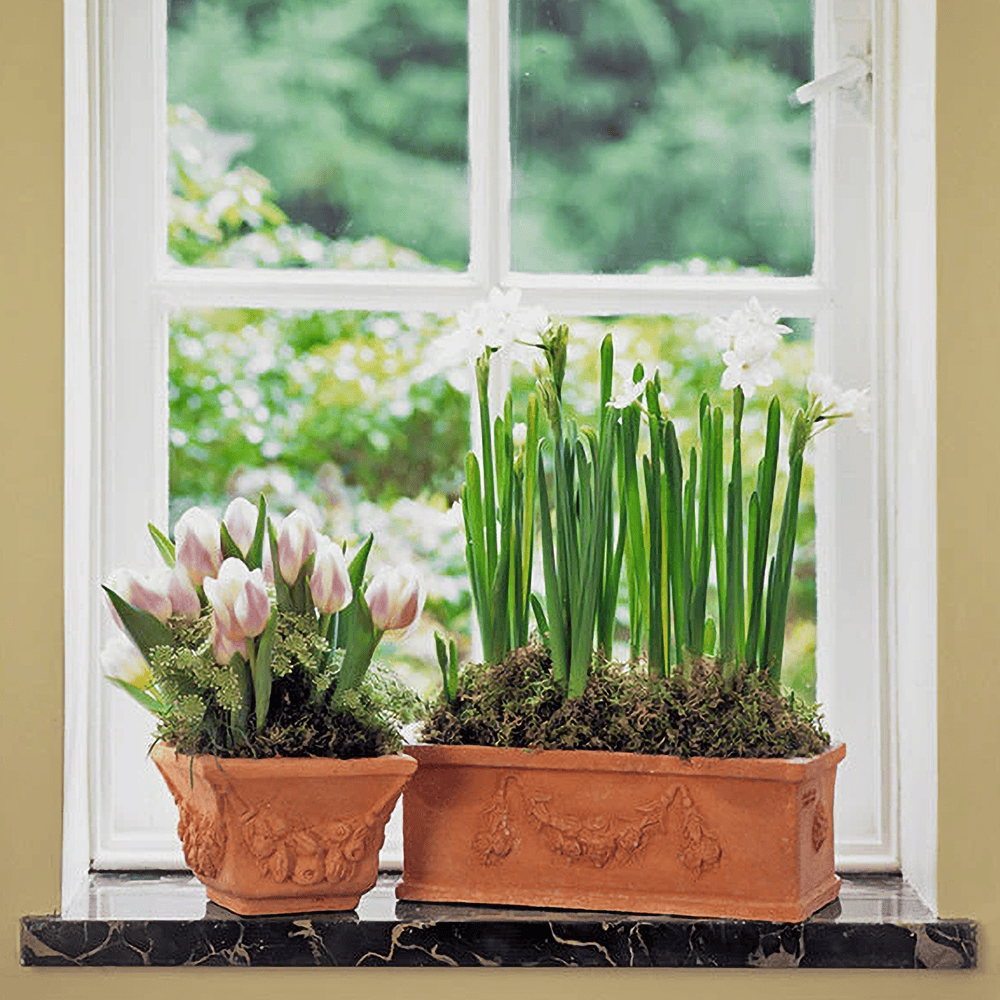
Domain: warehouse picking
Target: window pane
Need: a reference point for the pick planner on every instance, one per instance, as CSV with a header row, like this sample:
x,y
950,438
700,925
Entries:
x,y
338,414
658,132
314,133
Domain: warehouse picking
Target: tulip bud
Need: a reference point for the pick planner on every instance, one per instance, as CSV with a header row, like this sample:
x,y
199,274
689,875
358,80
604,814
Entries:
x,y
296,543
121,658
224,647
395,598
198,548
330,582
239,600
182,593
146,593
240,520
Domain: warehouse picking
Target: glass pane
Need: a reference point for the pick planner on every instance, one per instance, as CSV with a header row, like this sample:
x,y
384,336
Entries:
x,y
689,365
341,415
658,133
309,133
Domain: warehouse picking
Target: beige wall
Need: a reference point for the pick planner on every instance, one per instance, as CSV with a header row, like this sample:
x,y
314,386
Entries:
x,y
31,504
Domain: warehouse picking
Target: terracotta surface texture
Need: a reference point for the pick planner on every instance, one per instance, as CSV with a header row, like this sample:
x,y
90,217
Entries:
x,y
622,832
284,835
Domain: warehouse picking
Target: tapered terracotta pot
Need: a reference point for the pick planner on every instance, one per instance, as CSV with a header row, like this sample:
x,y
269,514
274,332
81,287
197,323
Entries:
x,y
626,832
284,835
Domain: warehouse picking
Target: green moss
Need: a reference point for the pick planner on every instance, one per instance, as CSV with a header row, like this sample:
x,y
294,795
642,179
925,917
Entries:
x,y
516,703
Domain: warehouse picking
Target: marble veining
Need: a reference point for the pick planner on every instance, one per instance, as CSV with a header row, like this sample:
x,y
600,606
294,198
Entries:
x,y
166,920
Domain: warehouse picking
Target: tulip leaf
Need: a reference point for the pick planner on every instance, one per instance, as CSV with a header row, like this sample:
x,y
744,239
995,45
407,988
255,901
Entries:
x,y
146,630
281,589
260,665
360,644
147,701
255,555
163,545
230,550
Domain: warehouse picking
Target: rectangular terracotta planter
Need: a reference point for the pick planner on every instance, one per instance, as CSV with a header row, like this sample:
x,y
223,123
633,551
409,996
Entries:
x,y
283,835
624,832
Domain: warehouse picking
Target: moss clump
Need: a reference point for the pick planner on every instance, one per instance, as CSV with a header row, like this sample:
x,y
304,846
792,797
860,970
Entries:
x,y
693,713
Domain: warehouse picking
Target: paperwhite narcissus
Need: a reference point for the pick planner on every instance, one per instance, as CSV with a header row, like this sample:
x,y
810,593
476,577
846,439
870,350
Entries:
x,y
146,593
182,593
330,582
121,658
198,548
296,543
240,520
239,600
395,598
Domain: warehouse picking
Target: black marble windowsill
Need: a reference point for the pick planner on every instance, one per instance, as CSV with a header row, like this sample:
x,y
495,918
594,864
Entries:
x,y
879,922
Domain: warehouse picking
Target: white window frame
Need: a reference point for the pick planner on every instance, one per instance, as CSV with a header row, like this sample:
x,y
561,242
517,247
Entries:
x,y
118,282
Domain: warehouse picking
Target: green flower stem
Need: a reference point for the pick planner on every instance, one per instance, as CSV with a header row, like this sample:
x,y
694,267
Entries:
x,y
718,516
766,476
489,497
699,595
783,575
553,594
675,539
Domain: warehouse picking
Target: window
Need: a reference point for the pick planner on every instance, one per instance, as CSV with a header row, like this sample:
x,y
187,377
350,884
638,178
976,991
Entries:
x,y
486,208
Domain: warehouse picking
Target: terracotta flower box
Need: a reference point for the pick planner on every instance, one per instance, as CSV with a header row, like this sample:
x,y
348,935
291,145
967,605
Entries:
x,y
283,835
742,838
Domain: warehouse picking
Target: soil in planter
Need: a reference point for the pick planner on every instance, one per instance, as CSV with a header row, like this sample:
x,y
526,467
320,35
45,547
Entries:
x,y
696,713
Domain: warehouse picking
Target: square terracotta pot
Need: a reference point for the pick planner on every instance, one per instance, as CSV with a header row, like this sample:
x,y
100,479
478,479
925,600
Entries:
x,y
283,835
624,832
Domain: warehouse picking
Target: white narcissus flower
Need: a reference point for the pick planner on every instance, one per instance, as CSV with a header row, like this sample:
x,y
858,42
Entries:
x,y
747,337
182,593
148,593
121,658
198,548
240,520
395,598
330,583
832,401
629,393
498,322
519,435
748,373
239,600
296,543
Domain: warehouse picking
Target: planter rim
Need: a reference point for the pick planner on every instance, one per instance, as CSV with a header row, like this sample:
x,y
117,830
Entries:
x,y
785,769
290,767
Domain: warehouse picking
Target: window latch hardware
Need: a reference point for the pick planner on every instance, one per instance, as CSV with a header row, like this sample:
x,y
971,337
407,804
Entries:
x,y
854,70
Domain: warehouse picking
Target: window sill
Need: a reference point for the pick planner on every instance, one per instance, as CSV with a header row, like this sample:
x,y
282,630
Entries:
x,y
879,922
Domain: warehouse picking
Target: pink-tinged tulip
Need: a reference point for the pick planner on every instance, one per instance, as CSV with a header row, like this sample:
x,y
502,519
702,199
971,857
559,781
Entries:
x,y
240,520
395,598
198,548
182,593
330,583
239,600
224,647
296,543
121,658
146,593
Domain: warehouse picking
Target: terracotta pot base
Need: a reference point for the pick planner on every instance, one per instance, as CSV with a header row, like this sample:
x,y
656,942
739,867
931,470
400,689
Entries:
x,y
750,839
283,835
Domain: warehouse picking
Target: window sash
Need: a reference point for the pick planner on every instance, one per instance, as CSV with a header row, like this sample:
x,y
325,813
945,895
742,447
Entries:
x,y
120,60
